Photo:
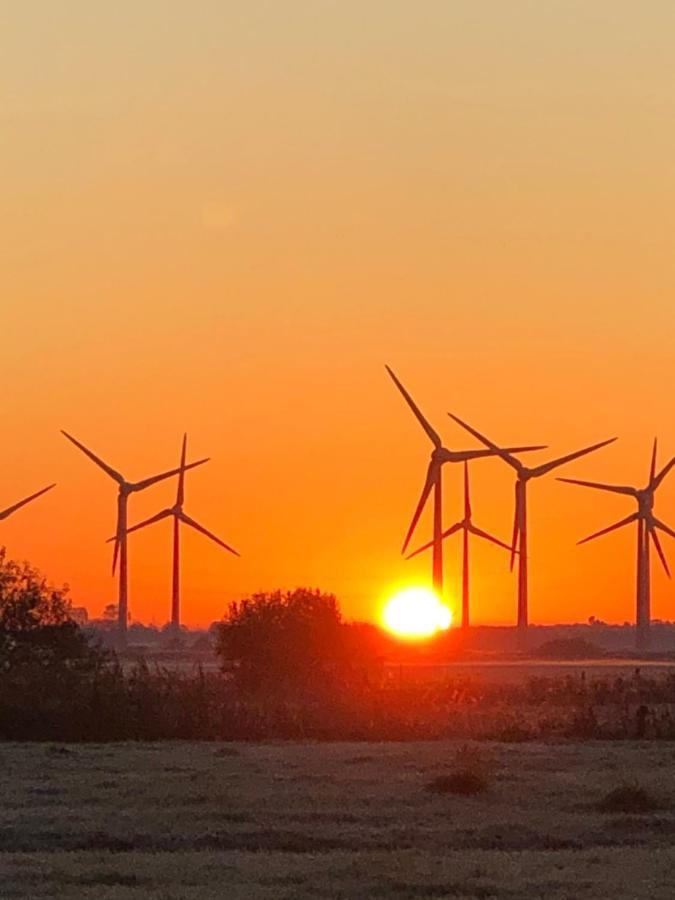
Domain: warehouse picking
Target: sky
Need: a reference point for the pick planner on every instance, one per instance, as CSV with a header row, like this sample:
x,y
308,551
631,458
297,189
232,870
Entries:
x,y
225,218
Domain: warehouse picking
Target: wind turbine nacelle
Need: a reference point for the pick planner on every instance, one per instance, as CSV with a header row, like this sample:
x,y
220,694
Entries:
x,y
645,501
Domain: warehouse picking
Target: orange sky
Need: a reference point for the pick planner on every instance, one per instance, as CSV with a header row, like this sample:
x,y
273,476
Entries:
x,y
226,218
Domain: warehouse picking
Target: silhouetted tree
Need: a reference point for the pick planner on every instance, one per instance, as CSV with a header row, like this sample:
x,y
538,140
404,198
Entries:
x,y
291,643
110,613
36,625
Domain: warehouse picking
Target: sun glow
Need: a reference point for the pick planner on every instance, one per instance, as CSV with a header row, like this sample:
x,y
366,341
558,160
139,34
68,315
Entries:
x,y
416,613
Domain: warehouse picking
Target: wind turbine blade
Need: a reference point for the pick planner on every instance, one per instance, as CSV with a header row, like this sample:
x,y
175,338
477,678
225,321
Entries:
x,y
659,549
612,488
528,449
488,537
165,513
515,534
92,456
547,467
632,518
662,474
191,522
430,480
516,528
433,435
453,530
116,553
652,468
466,455
662,525
141,485
498,451
10,509
467,493
180,492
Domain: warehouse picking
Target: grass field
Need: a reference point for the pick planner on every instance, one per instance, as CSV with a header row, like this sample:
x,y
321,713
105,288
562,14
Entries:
x,y
495,670
333,821
515,671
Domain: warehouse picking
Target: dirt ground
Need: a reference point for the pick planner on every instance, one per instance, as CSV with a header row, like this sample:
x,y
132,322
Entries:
x,y
333,821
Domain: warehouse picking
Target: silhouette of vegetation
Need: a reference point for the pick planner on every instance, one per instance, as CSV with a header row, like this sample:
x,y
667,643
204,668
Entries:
x,y
464,782
289,668
46,659
37,630
629,797
469,775
290,644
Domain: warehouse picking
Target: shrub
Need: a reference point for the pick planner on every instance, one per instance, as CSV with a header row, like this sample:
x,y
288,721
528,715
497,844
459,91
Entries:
x,y
465,782
469,776
37,628
290,644
629,797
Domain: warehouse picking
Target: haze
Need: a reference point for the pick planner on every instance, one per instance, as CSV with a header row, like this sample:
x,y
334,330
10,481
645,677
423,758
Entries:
x,y
225,218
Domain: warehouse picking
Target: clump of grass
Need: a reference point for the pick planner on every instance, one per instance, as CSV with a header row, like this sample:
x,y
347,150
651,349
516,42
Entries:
x,y
362,758
629,797
227,751
463,782
59,750
469,775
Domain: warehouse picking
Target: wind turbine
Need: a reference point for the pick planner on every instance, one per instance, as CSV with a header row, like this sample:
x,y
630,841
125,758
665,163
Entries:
x,y
647,526
433,481
6,513
519,540
125,488
179,515
467,528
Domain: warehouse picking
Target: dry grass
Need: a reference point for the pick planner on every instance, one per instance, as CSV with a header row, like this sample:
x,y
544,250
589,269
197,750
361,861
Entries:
x,y
332,821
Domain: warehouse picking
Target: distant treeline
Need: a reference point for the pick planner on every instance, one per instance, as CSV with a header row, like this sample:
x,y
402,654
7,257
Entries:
x,y
289,668
593,639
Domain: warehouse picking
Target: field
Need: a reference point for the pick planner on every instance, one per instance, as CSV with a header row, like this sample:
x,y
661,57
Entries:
x,y
516,671
496,670
332,820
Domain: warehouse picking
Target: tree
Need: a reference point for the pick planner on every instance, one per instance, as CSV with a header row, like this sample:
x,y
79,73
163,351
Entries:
x,y
291,643
110,613
37,627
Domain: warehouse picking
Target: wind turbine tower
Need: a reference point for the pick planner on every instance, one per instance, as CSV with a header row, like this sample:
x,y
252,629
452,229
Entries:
x,y
467,527
647,530
519,543
433,482
124,490
179,516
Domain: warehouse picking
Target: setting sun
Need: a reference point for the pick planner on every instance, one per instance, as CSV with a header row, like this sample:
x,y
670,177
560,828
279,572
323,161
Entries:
x,y
416,613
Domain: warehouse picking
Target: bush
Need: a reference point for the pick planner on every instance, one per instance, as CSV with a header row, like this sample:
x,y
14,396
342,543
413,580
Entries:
x,y
289,645
469,776
629,797
37,629
465,782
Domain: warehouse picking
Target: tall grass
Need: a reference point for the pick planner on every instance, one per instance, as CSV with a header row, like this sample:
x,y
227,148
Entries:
x,y
109,702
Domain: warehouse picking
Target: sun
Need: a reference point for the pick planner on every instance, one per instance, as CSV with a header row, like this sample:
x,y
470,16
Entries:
x,y
416,613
